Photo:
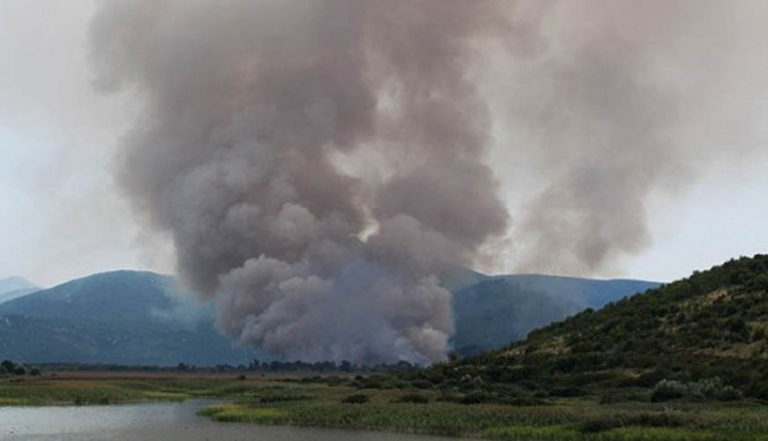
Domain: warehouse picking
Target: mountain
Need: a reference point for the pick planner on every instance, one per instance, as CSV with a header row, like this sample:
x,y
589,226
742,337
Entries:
x,y
122,317
130,317
709,328
15,287
494,311
457,278
15,283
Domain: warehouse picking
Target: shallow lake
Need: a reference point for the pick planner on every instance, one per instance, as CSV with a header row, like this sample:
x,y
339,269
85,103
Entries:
x,y
158,421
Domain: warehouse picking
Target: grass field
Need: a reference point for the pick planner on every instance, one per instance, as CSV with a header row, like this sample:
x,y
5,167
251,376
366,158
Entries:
x,y
302,402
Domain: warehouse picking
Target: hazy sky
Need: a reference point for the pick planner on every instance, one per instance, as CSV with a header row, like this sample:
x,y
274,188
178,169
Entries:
x,y
62,217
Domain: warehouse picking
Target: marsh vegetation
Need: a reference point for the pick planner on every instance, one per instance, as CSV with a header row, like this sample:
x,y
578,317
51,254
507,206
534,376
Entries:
x,y
399,406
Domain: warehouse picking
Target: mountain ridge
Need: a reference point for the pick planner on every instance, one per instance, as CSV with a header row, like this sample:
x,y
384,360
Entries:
x,y
122,317
120,307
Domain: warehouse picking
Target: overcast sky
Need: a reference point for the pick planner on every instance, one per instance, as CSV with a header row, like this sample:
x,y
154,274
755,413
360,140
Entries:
x,y
61,215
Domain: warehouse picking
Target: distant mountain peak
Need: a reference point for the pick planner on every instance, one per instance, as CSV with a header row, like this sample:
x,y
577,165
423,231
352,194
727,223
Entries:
x,y
12,288
15,282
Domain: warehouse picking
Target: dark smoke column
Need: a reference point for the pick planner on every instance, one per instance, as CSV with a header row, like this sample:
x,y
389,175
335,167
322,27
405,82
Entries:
x,y
317,163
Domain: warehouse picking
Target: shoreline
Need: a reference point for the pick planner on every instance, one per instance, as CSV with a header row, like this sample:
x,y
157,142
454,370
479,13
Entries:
x,y
404,410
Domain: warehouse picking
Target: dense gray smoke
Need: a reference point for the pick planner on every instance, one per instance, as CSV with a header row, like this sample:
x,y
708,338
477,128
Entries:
x,y
319,163
251,153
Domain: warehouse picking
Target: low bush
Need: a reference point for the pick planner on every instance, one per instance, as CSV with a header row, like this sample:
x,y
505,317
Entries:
x,y
422,384
566,392
644,419
7,367
667,390
523,401
730,393
623,397
711,388
267,399
413,398
474,398
356,399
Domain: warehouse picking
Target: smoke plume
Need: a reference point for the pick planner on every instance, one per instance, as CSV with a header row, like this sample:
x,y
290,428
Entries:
x,y
319,163
614,102
252,154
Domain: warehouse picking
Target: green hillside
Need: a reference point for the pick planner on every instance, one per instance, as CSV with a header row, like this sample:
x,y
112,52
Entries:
x,y
709,328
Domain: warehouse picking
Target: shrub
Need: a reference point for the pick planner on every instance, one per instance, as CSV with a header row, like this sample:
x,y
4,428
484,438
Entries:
x,y
523,401
267,399
8,366
356,399
711,388
567,392
622,397
375,382
422,384
708,388
334,380
413,398
474,398
730,393
644,419
667,390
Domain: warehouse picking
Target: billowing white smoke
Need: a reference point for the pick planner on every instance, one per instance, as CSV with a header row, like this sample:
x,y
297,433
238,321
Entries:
x,y
317,163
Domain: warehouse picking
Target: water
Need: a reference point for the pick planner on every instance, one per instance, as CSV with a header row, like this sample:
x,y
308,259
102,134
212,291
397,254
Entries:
x,y
158,421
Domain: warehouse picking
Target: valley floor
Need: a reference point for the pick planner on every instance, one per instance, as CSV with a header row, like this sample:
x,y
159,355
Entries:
x,y
336,403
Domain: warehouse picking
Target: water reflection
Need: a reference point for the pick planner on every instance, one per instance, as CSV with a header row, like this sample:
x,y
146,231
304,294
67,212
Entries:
x,y
157,421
